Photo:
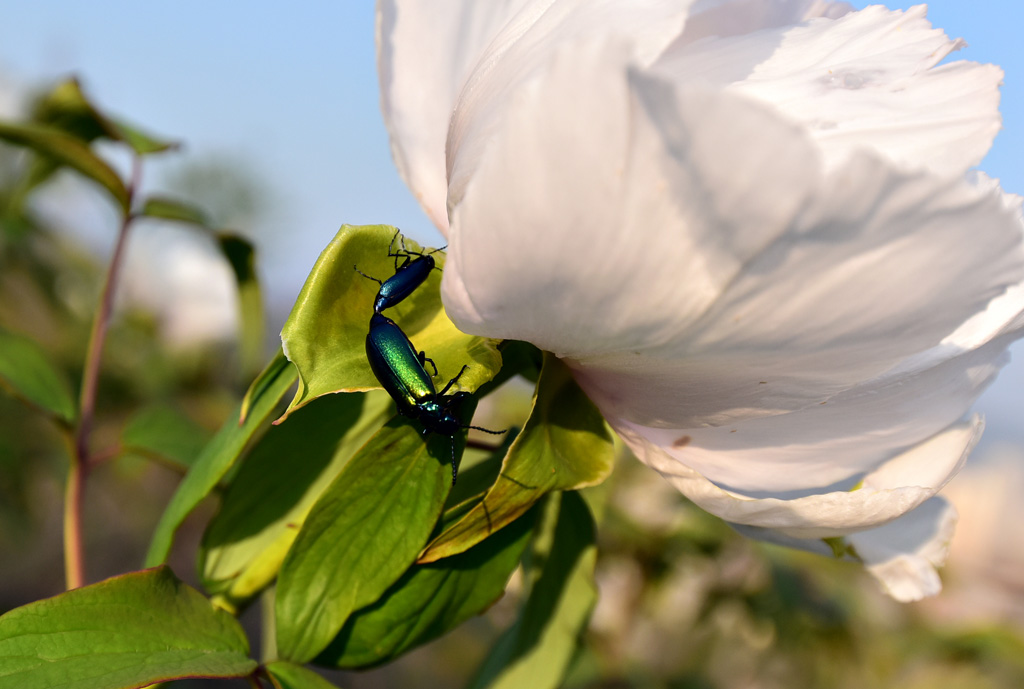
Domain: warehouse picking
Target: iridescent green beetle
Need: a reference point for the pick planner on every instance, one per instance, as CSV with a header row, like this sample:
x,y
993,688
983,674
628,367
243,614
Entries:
x,y
402,372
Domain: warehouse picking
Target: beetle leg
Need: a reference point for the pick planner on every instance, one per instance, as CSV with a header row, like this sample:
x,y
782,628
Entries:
x,y
424,359
454,380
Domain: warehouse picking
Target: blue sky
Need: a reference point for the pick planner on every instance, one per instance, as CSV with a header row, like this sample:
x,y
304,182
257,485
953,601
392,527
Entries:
x,y
292,94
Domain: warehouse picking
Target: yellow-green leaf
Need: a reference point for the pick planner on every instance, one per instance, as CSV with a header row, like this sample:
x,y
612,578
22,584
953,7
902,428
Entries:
x,y
325,335
361,535
287,675
277,485
537,650
564,445
217,458
429,600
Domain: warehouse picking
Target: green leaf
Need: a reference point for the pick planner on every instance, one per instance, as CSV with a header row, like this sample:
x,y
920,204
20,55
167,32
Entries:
x,y
565,445
66,149
129,631
537,650
67,108
429,600
361,536
217,458
27,373
164,433
325,335
276,486
264,380
287,675
139,141
163,208
241,256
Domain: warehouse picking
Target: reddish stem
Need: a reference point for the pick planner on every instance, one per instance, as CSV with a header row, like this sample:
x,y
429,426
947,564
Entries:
x,y
74,561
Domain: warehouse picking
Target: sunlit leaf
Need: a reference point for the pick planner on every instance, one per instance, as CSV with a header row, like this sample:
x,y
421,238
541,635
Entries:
x,y
276,486
129,631
361,536
216,459
287,675
429,600
537,650
166,434
325,335
477,473
564,445
164,208
241,256
27,373
264,380
66,149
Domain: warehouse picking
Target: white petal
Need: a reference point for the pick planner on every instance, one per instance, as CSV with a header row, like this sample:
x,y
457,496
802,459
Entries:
x,y
882,266
1006,313
723,18
829,446
425,51
523,50
730,279
599,197
904,553
866,80
897,487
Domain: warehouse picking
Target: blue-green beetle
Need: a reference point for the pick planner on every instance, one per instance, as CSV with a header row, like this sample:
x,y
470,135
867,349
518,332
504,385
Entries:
x,y
402,373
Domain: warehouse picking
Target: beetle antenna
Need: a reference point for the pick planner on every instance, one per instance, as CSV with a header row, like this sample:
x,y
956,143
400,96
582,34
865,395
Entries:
x,y
486,430
368,277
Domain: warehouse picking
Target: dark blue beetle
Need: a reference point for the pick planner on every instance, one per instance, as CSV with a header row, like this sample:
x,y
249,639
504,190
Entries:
x,y
408,276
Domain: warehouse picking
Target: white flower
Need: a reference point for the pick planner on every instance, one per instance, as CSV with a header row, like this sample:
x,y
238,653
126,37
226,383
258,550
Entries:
x,y
180,277
747,226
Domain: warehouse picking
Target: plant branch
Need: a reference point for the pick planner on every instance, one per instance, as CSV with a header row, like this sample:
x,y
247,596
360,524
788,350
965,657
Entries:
x,y
74,563
74,558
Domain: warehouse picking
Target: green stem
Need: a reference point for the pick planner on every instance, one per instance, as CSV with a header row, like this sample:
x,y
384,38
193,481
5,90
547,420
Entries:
x,y
268,624
74,560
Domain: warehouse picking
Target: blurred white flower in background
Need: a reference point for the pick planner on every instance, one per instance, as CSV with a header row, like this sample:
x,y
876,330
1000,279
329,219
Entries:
x,y
13,105
183,280
750,229
986,571
12,98
177,275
